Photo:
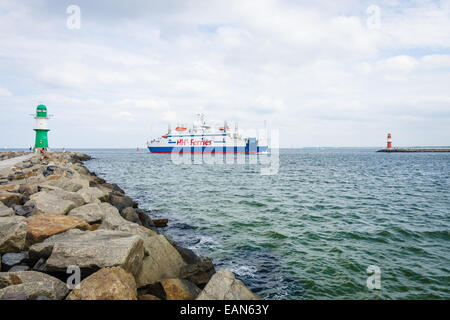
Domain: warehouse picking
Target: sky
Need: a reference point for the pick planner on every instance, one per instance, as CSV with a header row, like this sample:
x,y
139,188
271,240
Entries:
x,y
323,73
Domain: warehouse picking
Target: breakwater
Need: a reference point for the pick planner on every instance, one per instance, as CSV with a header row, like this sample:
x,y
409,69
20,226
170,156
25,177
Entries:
x,y
415,150
58,218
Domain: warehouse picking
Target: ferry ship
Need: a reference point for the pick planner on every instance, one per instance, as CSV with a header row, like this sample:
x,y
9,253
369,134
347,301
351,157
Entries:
x,y
205,138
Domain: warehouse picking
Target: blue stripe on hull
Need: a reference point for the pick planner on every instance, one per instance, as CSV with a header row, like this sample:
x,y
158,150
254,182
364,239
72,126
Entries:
x,y
252,149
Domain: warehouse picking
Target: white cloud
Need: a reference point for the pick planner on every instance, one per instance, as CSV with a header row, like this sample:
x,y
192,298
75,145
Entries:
x,y
305,67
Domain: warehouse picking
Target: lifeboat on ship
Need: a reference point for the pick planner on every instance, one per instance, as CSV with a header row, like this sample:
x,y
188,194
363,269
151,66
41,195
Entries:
x,y
180,129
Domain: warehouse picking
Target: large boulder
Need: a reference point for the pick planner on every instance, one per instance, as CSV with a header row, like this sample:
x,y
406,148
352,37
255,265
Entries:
x,y
162,261
75,197
40,227
44,249
145,219
5,211
93,194
96,250
32,284
179,289
109,208
106,284
198,270
130,214
90,213
199,273
121,201
112,220
72,185
224,286
188,255
13,232
47,203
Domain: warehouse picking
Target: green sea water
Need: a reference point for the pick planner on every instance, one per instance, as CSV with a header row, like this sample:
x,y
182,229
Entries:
x,y
310,231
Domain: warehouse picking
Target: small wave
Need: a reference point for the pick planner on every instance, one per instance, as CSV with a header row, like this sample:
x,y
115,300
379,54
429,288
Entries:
x,y
275,235
438,234
253,203
245,271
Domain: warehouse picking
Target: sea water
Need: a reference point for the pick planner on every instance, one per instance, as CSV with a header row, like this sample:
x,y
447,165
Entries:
x,y
315,228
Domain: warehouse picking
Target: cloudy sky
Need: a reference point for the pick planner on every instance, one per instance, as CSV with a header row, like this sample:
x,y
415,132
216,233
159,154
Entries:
x,y
325,73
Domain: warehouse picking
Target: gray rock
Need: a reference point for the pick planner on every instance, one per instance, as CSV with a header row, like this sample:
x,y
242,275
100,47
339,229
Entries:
x,y
13,232
32,290
70,196
24,211
199,273
71,185
93,194
188,255
46,173
112,220
32,284
224,286
44,249
109,208
145,219
162,261
97,250
44,202
5,211
9,260
19,268
121,201
90,213
130,214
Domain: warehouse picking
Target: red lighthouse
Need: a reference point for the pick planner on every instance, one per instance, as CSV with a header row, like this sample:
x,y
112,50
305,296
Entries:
x,y
389,141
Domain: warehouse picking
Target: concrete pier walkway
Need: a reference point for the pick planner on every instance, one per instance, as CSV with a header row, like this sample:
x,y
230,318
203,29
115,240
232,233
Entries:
x,y
8,163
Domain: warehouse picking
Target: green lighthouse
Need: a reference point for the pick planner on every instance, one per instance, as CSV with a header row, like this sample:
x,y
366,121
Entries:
x,y
41,128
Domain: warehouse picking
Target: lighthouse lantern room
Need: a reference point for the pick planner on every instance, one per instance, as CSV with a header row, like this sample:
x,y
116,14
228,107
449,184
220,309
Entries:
x,y
41,142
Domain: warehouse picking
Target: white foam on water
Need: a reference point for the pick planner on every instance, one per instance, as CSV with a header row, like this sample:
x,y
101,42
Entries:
x,y
244,271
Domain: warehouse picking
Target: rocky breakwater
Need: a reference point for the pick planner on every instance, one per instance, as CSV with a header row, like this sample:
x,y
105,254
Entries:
x,y
58,220
11,154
